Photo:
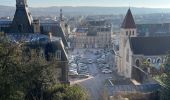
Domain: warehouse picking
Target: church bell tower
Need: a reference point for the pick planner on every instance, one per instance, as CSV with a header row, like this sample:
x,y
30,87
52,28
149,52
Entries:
x,y
128,29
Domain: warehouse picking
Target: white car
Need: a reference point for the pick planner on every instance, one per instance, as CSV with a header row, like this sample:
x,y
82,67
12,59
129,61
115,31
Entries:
x,y
84,75
72,69
72,73
106,71
73,65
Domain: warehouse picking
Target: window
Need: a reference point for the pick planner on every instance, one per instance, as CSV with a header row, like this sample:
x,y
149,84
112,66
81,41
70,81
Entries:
x,y
137,62
149,60
130,33
127,33
158,60
127,56
58,55
133,33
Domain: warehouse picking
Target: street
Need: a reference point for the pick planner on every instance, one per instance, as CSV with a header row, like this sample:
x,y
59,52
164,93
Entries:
x,y
94,84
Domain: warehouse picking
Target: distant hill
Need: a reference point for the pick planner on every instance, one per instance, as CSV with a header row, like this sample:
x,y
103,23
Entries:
x,y
67,10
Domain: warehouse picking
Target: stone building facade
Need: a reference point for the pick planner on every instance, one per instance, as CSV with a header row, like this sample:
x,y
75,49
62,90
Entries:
x,y
93,37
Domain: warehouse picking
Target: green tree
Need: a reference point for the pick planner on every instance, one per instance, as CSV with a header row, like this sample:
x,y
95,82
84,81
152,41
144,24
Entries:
x,y
33,79
165,81
66,92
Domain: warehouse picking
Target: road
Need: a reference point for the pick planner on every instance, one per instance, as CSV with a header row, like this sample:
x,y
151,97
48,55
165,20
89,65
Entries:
x,y
95,83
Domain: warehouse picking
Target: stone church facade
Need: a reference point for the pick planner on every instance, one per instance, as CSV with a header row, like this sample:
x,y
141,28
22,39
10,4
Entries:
x,y
135,50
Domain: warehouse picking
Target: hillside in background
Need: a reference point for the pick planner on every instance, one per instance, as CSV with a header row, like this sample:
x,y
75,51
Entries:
x,y
54,11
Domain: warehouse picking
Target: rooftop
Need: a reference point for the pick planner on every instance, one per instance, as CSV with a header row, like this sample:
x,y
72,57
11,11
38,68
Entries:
x,y
150,45
128,21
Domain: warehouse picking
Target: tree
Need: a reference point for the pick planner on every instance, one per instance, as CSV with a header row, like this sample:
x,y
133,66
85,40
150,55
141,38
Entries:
x,y
165,81
21,79
9,71
66,92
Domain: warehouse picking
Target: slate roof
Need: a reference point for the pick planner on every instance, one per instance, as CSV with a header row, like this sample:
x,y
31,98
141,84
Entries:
x,y
39,40
55,29
60,33
150,45
128,21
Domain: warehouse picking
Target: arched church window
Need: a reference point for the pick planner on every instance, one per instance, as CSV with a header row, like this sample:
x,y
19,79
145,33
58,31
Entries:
x,y
137,62
158,60
149,60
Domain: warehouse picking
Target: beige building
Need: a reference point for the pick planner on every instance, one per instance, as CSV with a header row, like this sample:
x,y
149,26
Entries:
x,y
93,37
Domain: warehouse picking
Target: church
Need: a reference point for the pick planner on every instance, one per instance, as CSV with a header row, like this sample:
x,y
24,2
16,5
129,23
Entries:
x,y
134,50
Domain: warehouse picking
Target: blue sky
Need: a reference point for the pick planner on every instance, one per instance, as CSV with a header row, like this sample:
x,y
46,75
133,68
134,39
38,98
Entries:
x,y
105,3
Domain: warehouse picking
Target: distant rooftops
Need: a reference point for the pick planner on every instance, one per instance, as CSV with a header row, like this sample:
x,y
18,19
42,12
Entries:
x,y
97,29
128,21
5,22
82,30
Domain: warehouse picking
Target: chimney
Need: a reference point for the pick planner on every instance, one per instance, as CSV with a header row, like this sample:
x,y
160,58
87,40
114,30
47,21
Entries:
x,y
50,36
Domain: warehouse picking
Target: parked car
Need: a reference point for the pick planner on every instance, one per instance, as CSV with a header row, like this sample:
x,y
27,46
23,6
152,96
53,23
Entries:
x,y
72,73
82,68
106,71
90,61
83,75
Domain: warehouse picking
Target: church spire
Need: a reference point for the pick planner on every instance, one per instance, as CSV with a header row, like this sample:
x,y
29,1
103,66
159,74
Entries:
x,y
128,21
61,15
